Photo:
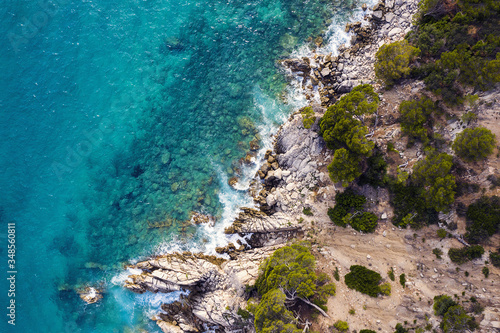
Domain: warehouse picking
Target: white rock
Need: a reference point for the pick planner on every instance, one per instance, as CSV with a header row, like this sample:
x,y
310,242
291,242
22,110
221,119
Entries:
x,y
278,173
378,14
384,216
384,233
289,187
394,32
368,256
270,200
285,173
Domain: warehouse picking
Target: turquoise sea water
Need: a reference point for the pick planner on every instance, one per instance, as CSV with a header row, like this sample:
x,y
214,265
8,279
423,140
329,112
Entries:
x,y
119,117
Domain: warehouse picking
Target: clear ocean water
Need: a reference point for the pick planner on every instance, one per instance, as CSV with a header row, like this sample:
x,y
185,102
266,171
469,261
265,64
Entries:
x,y
118,119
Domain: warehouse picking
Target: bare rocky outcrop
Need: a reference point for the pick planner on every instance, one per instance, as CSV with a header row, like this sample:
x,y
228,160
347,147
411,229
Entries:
x,y
214,286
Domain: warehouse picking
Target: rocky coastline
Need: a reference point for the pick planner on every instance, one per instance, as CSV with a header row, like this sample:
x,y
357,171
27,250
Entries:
x,y
293,178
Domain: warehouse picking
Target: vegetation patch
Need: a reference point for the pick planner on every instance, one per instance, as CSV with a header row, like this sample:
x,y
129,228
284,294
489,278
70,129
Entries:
x,y
483,219
364,280
343,129
474,144
308,117
393,60
288,277
348,211
460,256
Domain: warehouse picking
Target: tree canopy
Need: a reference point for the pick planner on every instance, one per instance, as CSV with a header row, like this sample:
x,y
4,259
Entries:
x,y
474,144
286,277
272,316
343,129
393,61
345,167
363,280
416,118
434,174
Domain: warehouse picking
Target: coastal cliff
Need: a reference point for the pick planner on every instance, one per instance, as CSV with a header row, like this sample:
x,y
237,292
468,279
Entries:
x,y
293,197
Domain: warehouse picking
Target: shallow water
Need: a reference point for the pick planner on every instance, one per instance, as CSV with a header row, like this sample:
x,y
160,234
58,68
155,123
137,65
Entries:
x,y
119,120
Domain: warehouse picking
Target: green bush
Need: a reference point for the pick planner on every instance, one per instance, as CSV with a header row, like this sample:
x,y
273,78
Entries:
x,y
390,274
402,280
457,320
486,272
340,325
376,173
385,289
367,331
393,60
433,174
474,144
441,233
307,211
365,222
483,219
345,203
345,167
244,314
462,255
363,280
400,329
438,253
416,118
308,117
442,303
495,258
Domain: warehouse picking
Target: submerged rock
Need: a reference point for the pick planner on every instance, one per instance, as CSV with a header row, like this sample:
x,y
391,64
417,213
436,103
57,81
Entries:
x,y
90,295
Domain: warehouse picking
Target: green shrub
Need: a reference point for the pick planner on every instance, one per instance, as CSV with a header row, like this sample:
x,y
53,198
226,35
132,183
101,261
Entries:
x,y
367,331
308,117
307,211
486,272
363,280
474,144
469,117
244,314
442,303
416,118
376,173
340,325
433,174
365,222
385,289
390,273
392,61
495,258
400,328
345,167
345,203
336,274
441,233
438,253
462,255
457,320
483,219
402,280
